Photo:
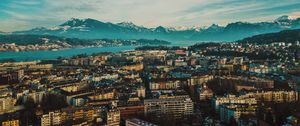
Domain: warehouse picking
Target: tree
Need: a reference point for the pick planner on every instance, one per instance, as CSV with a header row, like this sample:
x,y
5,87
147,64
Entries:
x,y
232,122
269,118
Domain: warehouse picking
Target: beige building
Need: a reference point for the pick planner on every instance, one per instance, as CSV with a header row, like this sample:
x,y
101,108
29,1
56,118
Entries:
x,y
199,80
275,96
103,96
6,104
135,67
51,119
173,106
141,92
14,122
113,118
232,99
74,114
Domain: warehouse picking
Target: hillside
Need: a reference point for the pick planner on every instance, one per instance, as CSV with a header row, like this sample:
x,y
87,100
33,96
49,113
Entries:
x,y
283,36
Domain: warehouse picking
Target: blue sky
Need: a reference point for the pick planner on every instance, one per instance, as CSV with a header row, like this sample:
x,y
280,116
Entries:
x,y
26,14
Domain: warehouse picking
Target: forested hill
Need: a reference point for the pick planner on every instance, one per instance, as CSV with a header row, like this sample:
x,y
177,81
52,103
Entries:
x,y
283,36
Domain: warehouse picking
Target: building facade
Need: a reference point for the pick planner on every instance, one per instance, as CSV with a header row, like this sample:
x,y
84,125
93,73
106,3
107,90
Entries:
x,y
177,107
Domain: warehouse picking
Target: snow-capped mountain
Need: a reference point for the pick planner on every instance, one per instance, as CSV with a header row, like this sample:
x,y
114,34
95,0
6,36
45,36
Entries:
x,y
94,29
130,25
214,28
283,18
186,28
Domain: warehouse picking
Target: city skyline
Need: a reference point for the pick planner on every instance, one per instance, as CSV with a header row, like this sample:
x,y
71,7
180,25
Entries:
x,y
22,15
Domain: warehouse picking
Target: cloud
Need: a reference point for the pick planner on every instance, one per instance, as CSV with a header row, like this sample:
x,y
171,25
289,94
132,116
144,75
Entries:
x,y
151,13
224,12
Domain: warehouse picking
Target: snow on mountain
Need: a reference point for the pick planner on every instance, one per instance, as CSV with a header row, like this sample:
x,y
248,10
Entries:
x,y
129,25
284,21
186,28
64,28
283,18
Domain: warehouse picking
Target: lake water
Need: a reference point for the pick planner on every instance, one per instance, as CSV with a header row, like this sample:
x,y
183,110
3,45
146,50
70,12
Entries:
x,y
46,54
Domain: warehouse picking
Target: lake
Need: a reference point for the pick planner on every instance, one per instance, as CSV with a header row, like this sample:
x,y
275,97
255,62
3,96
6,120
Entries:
x,y
46,54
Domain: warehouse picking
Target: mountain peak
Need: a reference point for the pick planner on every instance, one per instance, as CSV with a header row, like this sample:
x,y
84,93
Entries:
x,y
214,26
75,22
72,22
160,29
186,28
129,25
39,29
74,19
283,18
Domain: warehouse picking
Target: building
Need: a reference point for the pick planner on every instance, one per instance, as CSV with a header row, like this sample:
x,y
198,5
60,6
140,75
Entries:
x,y
235,111
51,119
180,63
138,122
14,122
141,92
134,67
6,104
173,106
41,67
20,74
79,114
274,96
199,80
164,85
113,118
232,99
78,101
107,95
131,111
238,60
238,83
36,96
205,93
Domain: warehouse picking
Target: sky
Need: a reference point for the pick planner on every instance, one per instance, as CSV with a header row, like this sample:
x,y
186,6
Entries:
x,y
16,15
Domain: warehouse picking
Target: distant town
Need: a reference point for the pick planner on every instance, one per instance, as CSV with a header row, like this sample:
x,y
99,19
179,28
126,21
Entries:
x,y
21,43
211,84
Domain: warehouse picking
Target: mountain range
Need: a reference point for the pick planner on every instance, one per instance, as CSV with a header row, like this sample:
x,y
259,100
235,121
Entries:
x,y
94,29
